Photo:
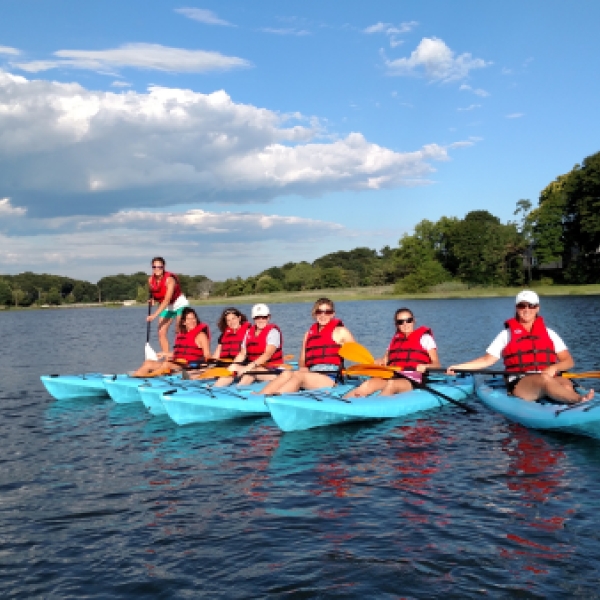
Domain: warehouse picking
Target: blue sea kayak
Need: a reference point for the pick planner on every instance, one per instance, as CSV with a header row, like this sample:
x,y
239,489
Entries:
x,y
583,419
65,387
123,389
318,408
151,392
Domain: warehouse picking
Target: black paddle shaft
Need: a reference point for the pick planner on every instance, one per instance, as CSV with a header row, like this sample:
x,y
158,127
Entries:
x,y
149,323
431,390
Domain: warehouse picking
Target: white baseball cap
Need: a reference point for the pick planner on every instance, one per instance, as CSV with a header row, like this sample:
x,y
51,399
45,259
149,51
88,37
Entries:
x,y
260,310
527,296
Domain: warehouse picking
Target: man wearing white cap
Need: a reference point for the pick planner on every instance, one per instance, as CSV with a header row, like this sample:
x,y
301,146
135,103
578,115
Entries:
x,y
532,354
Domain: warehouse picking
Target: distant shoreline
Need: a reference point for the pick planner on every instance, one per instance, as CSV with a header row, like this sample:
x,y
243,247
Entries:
x,y
351,294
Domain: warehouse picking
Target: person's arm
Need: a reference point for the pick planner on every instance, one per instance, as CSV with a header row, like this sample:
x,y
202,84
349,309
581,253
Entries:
x,y
302,361
565,362
487,360
342,335
166,300
383,361
265,357
202,342
435,361
217,353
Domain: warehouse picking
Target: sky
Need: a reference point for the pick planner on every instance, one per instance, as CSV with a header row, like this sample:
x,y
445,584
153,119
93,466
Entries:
x,y
233,136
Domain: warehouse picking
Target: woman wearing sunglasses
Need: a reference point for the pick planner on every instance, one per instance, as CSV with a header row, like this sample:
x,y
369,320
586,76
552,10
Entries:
x,y
233,326
534,353
411,349
261,350
166,291
192,345
320,364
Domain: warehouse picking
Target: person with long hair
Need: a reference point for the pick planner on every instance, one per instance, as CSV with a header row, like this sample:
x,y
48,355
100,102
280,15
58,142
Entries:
x,y
192,347
233,326
413,350
261,351
320,365
533,356
166,292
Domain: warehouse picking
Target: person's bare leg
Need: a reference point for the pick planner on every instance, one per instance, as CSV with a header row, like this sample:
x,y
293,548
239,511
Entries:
x,y
306,380
534,387
367,388
148,367
274,386
163,329
248,379
396,386
223,382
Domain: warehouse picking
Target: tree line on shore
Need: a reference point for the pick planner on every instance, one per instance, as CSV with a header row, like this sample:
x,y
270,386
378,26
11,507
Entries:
x,y
563,232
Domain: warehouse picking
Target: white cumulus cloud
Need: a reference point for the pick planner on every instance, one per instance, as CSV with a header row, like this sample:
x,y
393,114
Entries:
x,y
436,61
515,115
138,56
7,210
9,51
203,15
477,91
65,149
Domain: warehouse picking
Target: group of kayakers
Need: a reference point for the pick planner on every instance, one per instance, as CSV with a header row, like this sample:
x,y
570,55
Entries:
x,y
533,354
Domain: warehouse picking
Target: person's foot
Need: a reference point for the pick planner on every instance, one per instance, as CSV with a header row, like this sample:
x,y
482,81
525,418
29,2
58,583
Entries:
x,y
587,397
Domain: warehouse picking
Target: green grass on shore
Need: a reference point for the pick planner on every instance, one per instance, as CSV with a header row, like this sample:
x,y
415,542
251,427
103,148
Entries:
x,y
387,293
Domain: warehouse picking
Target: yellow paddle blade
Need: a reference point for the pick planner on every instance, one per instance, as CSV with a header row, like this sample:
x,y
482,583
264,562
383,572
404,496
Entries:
x,y
158,373
367,371
180,361
216,372
356,353
589,374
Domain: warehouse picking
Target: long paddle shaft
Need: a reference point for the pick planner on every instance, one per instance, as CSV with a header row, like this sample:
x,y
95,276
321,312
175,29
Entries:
x,y
589,374
431,390
148,323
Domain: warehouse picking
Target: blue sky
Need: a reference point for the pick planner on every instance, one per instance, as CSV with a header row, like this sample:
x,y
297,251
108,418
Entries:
x,y
235,136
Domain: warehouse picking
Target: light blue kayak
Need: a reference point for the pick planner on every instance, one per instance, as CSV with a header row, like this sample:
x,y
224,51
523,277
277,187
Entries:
x,y
318,408
582,419
215,404
123,389
151,392
65,387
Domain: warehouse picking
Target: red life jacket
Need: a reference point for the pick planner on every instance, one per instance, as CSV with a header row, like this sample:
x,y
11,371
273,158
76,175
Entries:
x,y
528,350
257,344
321,348
231,341
407,352
158,289
185,345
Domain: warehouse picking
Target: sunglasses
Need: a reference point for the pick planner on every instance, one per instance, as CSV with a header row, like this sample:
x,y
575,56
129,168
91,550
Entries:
x,y
402,321
161,267
261,317
323,311
523,305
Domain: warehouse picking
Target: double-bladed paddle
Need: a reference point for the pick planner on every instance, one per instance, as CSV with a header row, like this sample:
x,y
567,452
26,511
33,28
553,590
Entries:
x,y
148,350
357,353
587,375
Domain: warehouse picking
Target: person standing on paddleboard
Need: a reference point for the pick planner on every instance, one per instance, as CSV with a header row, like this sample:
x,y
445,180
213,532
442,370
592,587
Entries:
x,y
533,356
412,350
166,291
320,364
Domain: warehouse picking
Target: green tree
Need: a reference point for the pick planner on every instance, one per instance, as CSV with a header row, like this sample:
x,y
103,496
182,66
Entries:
x,y
5,293
426,275
54,296
302,276
142,294
480,245
333,277
17,295
267,285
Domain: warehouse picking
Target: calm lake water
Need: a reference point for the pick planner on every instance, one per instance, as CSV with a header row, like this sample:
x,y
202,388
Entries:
x,y
102,500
